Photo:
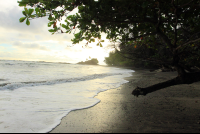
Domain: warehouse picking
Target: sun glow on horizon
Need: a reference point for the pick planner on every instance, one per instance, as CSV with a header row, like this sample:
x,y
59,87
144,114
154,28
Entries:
x,y
76,53
94,51
35,43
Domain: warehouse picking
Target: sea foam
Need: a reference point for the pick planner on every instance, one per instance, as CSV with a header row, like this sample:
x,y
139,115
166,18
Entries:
x,y
35,96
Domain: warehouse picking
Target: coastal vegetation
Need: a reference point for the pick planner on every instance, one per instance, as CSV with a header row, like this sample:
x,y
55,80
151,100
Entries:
x,y
92,61
157,32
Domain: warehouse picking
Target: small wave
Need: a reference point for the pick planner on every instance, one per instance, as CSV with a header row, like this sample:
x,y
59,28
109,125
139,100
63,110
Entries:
x,y
12,86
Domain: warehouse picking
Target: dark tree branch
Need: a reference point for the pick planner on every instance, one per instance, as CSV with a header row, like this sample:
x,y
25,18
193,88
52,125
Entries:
x,y
185,4
192,41
161,34
165,38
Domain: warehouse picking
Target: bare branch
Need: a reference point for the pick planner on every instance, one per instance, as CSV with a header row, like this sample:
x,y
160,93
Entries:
x,y
165,38
185,4
192,41
193,35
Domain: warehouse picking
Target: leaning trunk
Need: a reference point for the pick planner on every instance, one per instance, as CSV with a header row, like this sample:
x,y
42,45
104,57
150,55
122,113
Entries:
x,y
182,78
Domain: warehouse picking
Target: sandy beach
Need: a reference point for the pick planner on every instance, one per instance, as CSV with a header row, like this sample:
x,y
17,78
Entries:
x,y
174,109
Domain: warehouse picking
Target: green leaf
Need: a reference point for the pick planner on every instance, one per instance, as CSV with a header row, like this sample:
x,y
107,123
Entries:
x,y
37,9
51,30
26,10
32,16
65,26
21,4
50,23
93,40
50,17
30,11
22,19
100,45
68,31
24,13
43,11
27,22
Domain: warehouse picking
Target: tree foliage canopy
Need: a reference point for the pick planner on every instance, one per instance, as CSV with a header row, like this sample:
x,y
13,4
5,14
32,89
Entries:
x,y
120,19
174,24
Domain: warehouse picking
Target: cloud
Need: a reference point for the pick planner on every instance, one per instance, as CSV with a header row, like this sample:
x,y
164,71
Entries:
x,y
30,46
35,42
10,20
37,30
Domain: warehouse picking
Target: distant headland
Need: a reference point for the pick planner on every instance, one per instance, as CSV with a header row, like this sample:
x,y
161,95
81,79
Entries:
x,y
93,61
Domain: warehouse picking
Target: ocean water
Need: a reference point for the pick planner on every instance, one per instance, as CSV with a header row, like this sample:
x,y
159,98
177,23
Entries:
x,y
35,96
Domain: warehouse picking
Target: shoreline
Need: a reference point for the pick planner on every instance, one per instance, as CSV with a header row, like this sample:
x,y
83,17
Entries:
x,y
173,109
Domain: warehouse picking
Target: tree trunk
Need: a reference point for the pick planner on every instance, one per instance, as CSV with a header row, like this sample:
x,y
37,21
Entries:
x,y
187,78
179,68
182,78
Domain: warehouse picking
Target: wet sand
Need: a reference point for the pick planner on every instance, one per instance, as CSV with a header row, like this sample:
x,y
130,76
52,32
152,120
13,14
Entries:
x,y
174,109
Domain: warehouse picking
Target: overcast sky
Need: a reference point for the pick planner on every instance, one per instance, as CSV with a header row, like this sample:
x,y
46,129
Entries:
x,y
35,43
